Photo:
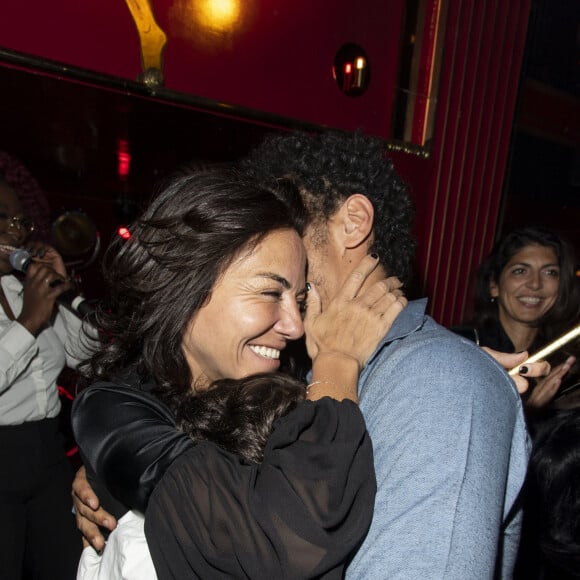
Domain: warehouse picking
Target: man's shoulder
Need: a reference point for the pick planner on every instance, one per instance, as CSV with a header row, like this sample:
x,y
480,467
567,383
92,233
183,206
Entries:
x,y
432,359
429,340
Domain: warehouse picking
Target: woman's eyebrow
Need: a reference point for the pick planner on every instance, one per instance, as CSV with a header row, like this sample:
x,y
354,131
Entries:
x,y
548,265
280,280
277,278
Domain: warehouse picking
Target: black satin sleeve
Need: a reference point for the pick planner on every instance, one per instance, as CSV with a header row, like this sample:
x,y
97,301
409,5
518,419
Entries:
x,y
128,438
300,514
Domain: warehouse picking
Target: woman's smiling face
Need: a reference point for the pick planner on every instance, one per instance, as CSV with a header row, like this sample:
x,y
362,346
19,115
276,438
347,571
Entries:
x,y
528,285
254,310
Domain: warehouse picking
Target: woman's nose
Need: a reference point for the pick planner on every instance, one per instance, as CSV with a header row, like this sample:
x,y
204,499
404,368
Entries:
x,y
535,280
290,322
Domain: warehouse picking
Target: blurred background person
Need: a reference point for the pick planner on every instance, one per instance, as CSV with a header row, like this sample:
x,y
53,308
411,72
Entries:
x,y
526,295
37,529
550,546
32,197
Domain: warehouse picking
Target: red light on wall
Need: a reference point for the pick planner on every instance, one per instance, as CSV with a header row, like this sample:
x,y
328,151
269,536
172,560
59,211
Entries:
x,y
123,232
123,159
347,68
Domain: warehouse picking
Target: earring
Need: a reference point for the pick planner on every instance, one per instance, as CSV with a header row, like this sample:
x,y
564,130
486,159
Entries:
x,y
492,299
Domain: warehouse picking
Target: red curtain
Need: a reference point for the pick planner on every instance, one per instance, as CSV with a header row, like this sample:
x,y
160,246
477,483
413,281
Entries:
x,y
461,199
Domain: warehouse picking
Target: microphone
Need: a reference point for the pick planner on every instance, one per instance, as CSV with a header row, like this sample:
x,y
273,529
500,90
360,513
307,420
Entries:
x,y
20,260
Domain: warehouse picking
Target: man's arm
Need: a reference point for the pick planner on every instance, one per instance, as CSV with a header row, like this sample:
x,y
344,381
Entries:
x,y
89,514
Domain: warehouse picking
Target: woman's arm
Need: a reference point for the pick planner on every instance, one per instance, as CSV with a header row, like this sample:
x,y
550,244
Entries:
x,y
299,514
341,337
128,437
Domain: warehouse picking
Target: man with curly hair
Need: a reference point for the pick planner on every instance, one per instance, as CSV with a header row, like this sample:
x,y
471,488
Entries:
x,y
446,422
448,431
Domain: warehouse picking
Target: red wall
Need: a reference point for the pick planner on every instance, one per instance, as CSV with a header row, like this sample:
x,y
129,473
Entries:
x,y
277,58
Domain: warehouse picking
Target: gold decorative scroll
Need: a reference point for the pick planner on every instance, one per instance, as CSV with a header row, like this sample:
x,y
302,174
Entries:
x,y
152,39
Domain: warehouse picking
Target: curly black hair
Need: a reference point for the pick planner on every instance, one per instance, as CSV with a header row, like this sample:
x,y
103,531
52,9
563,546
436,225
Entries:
x,y
329,167
162,275
238,415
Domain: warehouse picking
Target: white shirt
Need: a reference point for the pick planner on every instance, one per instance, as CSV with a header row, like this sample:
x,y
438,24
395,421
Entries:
x,y
29,366
125,557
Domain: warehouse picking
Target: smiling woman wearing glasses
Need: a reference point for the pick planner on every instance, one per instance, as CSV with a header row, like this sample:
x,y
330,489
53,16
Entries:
x,y
37,339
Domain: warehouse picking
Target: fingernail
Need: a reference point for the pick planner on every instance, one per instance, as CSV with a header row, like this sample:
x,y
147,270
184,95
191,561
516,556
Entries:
x,y
375,256
308,286
523,370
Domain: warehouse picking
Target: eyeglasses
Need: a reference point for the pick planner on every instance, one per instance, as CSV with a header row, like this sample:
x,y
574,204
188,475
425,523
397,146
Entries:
x,y
21,223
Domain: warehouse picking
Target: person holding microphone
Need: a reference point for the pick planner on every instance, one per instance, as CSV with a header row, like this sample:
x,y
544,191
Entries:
x,y
37,339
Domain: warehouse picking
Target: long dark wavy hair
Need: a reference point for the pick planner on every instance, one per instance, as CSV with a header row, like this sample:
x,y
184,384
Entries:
x,y
331,166
551,532
566,310
162,275
238,414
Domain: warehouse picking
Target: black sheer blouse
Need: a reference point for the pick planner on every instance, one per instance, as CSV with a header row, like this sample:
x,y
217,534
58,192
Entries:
x,y
299,514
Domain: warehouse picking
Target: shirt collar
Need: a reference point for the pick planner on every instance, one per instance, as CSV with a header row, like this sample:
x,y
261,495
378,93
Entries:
x,y
410,320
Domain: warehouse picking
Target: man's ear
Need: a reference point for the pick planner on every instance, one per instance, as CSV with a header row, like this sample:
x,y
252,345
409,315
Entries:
x,y
357,218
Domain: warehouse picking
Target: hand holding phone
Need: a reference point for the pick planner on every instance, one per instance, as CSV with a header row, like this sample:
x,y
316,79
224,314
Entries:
x,y
548,349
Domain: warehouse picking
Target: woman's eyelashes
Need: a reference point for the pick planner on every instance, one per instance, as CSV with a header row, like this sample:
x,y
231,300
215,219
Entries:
x,y
279,295
550,272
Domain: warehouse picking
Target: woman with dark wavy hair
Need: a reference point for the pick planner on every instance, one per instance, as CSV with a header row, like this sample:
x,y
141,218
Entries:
x,y
527,294
267,478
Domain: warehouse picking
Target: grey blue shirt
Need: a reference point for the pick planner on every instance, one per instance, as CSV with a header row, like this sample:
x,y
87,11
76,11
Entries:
x,y
451,451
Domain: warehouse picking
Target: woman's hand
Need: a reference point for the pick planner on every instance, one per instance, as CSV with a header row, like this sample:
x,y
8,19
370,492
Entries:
x,y
546,389
511,360
354,322
45,280
47,255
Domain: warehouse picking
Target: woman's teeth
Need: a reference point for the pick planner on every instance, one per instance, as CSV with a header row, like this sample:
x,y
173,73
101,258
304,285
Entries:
x,y
265,351
530,299
4,249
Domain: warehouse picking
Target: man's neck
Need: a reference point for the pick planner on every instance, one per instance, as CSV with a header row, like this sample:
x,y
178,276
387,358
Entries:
x,y
379,274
